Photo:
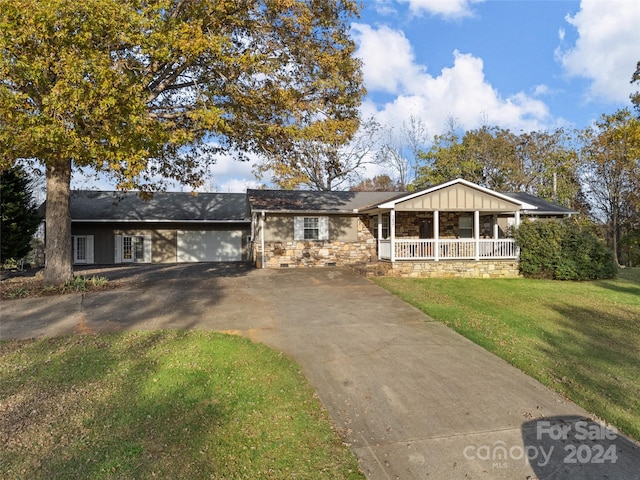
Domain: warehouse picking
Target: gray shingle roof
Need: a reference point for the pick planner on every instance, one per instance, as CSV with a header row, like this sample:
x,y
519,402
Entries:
x,y
543,206
312,201
164,206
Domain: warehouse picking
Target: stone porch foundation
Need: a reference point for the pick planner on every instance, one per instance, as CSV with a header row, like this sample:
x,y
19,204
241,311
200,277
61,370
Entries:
x,y
455,269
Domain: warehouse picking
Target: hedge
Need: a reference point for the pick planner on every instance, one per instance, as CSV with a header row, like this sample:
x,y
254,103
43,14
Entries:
x,y
562,250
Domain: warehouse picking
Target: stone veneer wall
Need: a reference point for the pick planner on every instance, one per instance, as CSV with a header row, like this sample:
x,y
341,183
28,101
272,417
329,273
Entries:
x,y
456,269
408,224
319,253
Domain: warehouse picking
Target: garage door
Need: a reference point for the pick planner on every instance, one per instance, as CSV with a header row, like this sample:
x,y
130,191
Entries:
x,y
209,246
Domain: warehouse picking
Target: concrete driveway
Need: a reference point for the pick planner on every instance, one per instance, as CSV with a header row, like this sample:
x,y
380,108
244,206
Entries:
x,y
414,399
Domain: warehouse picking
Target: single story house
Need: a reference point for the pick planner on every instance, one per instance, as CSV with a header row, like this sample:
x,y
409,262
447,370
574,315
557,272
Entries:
x,y
453,229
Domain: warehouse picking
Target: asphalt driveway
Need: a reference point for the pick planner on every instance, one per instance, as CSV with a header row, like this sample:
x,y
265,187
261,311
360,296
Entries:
x,y
414,399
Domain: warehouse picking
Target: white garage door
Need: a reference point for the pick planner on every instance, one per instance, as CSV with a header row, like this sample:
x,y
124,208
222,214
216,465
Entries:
x,y
209,246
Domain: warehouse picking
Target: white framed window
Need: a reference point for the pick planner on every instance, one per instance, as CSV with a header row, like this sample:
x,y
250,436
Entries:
x,y
466,227
133,248
385,227
311,228
82,246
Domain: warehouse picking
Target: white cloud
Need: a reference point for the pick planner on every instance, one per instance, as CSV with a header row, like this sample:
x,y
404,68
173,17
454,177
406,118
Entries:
x,y
231,175
237,185
541,90
561,34
607,47
460,91
388,58
451,9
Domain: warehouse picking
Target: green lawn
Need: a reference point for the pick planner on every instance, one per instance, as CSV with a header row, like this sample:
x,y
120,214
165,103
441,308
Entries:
x,y
161,405
580,339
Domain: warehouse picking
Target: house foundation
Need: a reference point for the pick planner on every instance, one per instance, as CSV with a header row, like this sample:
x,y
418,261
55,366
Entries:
x,y
455,269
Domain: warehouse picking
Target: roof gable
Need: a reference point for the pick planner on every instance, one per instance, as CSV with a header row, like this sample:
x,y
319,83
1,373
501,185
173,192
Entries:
x,y
456,195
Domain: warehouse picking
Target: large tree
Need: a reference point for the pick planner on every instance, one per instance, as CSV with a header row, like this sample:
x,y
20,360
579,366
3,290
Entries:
x,y
611,173
20,217
146,90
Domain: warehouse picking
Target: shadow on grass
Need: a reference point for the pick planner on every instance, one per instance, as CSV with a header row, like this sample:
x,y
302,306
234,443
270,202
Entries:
x,y
616,287
158,404
596,356
65,421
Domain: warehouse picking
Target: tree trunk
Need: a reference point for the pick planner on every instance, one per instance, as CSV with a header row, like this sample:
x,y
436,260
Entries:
x,y
58,266
615,235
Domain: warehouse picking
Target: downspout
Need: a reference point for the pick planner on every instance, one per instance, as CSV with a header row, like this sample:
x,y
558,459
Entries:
x,y
262,237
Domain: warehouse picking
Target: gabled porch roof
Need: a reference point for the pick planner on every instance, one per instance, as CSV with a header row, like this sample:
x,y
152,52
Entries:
x,y
455,195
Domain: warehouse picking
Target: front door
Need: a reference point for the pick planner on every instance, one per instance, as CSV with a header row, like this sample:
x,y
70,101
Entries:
x,y
426,228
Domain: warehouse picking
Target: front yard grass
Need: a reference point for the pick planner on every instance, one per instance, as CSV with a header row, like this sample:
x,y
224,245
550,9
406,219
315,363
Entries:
x,y
164,404
582,339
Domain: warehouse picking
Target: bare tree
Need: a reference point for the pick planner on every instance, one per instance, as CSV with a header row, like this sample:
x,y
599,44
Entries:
x,y
321,165
400,152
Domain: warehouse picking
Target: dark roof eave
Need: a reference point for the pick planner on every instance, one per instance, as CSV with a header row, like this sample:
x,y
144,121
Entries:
x,y
548,212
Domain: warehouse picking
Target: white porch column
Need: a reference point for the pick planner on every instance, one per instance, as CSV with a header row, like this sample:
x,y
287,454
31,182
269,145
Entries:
x,y
392,233
476,232
517,218
379,233
496,229
436,235
262,238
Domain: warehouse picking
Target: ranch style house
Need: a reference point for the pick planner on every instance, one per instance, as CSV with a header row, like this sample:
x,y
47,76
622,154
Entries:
x,y
456,228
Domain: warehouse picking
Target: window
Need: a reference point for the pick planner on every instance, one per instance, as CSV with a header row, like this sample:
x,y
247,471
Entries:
x,y
127,251
466,227
133,248
311,228
385,227
81,249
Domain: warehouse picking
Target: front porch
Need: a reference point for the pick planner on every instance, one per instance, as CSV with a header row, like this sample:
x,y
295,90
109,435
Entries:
x,y
457,229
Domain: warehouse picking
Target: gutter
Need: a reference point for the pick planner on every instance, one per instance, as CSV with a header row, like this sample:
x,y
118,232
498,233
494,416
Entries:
x,y
91,220
313,212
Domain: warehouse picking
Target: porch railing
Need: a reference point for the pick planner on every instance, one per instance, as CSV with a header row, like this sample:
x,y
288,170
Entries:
x,y
446,249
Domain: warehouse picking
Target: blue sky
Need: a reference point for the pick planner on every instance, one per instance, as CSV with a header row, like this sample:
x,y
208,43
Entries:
x,y
522,65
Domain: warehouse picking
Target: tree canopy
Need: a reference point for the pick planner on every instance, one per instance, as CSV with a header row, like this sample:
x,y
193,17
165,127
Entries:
x,y
635,97
145,91
20,217
325,163
539,163
611,173
379,183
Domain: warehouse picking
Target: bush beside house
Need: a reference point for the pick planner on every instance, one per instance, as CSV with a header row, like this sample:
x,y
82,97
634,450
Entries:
x,y
563,251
